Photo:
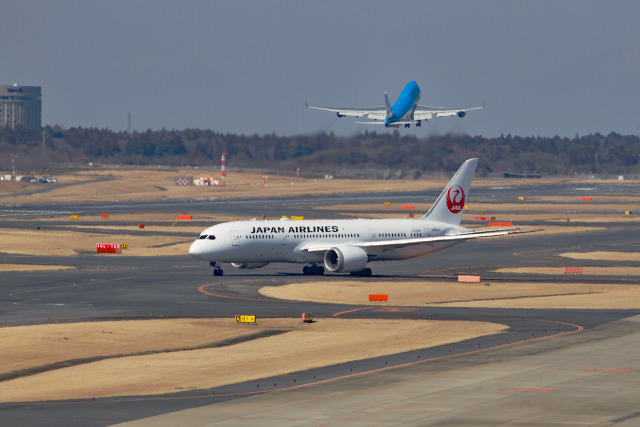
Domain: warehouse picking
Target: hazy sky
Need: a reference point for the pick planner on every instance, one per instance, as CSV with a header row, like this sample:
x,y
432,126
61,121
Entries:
x,y
542,67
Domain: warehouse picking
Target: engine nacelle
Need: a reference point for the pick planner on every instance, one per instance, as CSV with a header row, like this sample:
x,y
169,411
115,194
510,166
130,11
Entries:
x,y
461,114
340,115
345,259
249,264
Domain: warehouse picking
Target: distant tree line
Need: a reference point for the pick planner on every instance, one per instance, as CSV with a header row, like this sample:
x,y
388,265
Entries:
x,y
323,153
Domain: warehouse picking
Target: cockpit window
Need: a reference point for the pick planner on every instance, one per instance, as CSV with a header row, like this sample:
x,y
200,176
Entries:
x,y
212,237
204,236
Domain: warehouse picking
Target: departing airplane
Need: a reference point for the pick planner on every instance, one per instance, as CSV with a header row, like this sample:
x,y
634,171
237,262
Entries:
x,y
343,245
405,111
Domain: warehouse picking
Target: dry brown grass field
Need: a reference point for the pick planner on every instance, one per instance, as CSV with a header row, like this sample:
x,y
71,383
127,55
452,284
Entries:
x,y
163,356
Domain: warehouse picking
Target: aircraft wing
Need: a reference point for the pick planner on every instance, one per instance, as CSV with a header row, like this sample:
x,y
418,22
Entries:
x,y
424,240
424,112
374,113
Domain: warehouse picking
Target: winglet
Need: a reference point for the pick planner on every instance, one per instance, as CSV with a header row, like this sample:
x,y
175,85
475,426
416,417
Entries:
x,y
449,206
386,100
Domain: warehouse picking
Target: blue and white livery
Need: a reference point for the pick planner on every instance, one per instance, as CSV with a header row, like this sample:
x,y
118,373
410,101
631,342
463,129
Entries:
x,y
404,112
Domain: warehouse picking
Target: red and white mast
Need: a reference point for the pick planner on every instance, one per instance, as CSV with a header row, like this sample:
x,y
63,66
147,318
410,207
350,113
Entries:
x,y
223,169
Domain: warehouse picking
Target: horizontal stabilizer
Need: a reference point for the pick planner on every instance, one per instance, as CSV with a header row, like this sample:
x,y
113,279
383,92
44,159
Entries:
x,y
370,122
406,122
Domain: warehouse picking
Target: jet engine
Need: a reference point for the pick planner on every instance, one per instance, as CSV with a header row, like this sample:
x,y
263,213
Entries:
x,y
340,115
345,259
249,264
461,114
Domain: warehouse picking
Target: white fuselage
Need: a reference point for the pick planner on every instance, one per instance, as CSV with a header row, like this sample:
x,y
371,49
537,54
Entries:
x,y
343,245
305,241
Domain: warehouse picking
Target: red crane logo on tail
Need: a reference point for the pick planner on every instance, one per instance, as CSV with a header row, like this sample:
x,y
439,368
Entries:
x,y
455,199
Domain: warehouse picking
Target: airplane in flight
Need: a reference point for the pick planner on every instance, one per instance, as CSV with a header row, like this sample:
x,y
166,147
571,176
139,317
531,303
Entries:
x,y
405,111
343,245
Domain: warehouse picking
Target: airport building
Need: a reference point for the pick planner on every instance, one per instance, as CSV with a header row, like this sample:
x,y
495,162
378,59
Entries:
x,y
21,105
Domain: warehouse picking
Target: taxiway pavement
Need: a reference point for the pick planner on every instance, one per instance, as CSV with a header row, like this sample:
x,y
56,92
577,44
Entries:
x,y
553,366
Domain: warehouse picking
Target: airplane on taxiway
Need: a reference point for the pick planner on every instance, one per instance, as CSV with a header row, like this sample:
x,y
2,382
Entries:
x,y
343,245
405,111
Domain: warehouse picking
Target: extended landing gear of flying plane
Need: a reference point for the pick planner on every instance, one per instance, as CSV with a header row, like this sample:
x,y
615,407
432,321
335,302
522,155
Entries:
x,y
313,270
217,271
419,123
365,272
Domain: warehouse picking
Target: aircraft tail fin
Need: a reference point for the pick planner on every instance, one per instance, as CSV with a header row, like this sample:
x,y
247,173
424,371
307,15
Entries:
x,y
449,206
386,100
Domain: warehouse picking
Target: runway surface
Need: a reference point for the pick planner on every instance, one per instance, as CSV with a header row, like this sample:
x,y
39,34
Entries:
x,y
552,367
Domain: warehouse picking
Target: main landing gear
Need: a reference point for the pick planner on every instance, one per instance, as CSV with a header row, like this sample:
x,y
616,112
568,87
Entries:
x,y
313,270
217,271
366,272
